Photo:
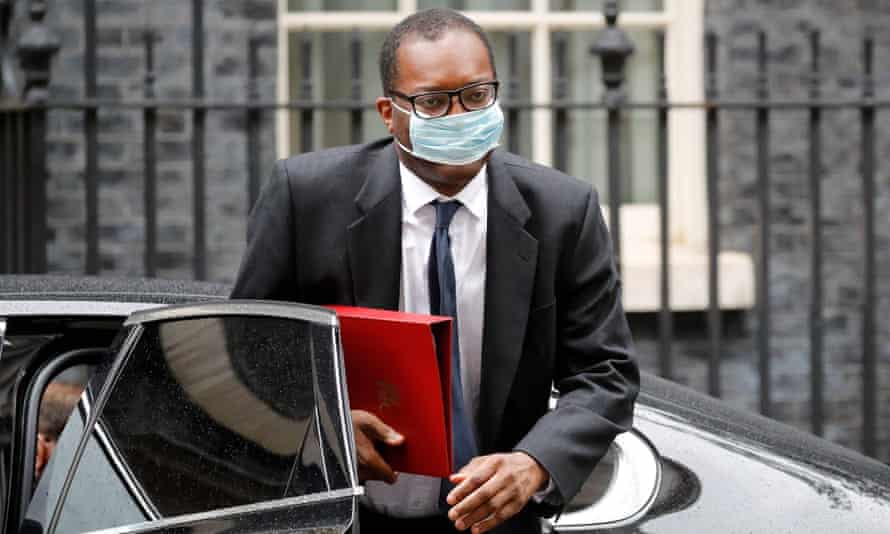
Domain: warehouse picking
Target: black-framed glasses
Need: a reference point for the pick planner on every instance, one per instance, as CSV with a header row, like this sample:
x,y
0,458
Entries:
x,y
435,104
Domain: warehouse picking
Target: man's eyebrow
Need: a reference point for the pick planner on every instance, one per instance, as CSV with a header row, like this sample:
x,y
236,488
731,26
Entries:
x,y
436,88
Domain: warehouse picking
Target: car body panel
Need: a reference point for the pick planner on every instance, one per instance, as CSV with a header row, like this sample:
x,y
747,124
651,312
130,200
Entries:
x,y
731,471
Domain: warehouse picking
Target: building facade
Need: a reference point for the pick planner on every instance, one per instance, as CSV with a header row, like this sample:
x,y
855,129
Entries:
x,y
325,51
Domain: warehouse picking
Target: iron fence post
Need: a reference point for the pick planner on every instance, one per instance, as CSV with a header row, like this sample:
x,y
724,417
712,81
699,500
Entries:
x,y
869,157
665,320
91,137
764,191
150,157
512,93
712,151
36,48
7,74
560,95
253,122
817,323
613,46
199,153
7,90
307,117
356,116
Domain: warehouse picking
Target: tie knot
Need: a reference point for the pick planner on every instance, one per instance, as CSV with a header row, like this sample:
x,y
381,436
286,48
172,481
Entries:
x,y
445,212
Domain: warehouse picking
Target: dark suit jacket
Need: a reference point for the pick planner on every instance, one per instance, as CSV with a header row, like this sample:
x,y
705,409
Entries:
x,y
327,229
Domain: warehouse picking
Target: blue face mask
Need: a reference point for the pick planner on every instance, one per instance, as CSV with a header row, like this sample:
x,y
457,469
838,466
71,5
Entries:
x,y
455,139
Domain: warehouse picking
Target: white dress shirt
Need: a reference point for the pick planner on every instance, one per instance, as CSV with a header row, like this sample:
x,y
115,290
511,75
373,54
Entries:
x,y
415,495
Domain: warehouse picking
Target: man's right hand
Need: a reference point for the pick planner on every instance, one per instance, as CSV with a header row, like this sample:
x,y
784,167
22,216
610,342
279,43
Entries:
x,y
369,430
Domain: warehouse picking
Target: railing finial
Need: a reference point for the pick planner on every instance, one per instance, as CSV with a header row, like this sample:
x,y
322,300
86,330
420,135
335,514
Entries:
x,y
36,47
613,46
610,11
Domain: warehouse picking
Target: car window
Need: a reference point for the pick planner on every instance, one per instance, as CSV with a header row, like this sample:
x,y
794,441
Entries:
x,y
210,413
100,495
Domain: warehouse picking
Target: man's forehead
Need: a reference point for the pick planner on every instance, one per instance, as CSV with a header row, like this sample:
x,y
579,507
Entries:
x,y
457,57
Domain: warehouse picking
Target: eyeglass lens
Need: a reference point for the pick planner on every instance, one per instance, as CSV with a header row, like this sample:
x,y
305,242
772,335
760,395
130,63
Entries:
x,y
473,98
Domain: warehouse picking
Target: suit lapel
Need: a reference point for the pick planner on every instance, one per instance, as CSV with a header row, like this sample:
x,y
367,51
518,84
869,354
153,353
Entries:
x,y
375,251
511,260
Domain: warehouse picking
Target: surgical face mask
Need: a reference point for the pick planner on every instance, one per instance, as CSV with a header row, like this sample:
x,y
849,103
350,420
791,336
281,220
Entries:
x,y
455,139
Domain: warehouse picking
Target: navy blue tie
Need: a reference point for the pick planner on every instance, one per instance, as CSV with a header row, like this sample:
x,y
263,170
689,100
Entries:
x,y
443,301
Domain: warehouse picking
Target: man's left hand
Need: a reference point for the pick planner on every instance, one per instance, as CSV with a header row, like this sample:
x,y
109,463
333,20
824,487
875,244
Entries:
x,y
491,489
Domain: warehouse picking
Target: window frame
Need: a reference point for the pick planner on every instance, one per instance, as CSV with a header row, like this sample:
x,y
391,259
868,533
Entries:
x,y
682,22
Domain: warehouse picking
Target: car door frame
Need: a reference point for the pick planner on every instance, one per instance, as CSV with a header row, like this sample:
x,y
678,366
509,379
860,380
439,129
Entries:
x,y
31,384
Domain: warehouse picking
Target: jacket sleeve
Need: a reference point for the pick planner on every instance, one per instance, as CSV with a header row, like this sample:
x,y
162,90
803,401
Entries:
x,y
268,266
595,374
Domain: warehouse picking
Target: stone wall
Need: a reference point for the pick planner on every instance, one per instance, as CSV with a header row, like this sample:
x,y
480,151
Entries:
x,y
121,75
787,24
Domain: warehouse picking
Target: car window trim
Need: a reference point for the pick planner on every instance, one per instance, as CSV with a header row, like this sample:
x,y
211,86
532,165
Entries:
x,y
254,308
30,387
265,506
121,358
345,412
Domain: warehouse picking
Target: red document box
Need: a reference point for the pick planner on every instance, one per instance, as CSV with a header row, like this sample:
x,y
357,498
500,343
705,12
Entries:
x,y
398,367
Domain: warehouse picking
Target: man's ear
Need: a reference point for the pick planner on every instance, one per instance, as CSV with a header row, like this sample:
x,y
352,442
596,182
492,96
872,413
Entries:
x,y
384,108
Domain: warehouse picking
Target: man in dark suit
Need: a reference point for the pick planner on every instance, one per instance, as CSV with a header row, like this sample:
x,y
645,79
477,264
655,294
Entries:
x,y
435,220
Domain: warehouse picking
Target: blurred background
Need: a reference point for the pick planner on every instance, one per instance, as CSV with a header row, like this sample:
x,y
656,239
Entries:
x,y
736,144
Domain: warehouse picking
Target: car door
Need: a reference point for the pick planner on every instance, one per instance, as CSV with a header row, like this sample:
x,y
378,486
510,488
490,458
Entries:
x,y
222,416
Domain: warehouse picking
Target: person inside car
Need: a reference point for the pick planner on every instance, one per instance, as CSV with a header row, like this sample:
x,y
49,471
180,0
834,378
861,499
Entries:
x,y
59,399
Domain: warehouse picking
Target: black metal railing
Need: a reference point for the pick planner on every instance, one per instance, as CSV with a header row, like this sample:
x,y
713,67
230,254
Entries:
x,y
23,142
24,153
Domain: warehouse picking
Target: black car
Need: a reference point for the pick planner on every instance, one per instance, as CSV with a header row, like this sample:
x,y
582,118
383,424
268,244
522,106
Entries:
x,y
201,414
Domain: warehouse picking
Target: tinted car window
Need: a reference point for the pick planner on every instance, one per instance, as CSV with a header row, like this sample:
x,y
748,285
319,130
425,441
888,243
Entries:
x,y
100,496
212,413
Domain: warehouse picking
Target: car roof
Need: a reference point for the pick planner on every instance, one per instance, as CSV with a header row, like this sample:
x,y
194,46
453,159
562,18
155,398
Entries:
x,y
45,295
148,290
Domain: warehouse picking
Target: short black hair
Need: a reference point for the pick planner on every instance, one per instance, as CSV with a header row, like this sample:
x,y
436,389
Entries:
x,y
430,24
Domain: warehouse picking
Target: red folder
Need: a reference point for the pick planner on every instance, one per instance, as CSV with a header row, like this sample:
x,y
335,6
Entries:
x,y
398,367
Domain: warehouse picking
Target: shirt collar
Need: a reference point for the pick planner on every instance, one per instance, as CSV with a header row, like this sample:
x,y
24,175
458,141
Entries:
x,y
416,193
